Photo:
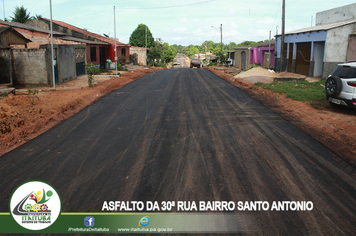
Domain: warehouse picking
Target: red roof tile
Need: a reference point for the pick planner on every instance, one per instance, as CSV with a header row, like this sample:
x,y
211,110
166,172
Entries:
x,y
94,35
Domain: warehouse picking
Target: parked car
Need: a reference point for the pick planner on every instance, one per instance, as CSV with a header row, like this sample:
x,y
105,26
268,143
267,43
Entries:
x,y
196,63
340,87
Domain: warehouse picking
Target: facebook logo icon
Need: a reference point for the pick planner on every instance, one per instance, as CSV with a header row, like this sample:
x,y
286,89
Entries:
x,y
89,221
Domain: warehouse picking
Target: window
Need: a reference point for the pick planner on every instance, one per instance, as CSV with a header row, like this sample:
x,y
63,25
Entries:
x,y
92,54
345,72
123,51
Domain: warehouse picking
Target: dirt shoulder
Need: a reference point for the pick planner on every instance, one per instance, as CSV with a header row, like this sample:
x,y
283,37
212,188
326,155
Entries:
x,y
24,116
336,129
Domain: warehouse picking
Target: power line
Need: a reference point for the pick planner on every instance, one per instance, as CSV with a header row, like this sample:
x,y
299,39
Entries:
x,y
275,16
201,33
150,8
34,6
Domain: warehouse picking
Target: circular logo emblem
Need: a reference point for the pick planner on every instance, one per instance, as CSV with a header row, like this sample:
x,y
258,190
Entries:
x,y
144,221
35,205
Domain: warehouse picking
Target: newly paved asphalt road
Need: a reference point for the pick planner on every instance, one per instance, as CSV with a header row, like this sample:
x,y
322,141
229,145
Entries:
x,y
187,135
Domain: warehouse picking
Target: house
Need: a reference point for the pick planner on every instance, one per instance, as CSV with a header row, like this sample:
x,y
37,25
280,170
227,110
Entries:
x,y
262,53
242,57
315,51
9,37
30,61
37,36
97,54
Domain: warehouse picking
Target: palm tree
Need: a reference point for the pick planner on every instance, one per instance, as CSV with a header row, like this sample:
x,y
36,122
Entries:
x,y
21,15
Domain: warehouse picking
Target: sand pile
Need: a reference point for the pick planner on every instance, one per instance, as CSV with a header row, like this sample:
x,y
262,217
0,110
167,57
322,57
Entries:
x,y
257,71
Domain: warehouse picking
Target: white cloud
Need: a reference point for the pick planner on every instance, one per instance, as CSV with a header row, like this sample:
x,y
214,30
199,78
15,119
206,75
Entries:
x,y
191,24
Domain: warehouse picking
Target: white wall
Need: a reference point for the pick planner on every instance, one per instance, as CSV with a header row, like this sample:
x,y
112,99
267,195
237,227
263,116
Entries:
x,y
337,43
343,13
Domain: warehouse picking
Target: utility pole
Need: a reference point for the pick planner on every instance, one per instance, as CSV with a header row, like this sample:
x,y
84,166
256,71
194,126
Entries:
x,y
53,73
269,49
282,36
221,37
115,43
146,45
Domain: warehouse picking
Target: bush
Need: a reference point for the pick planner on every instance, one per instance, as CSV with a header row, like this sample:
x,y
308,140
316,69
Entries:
x,y
121,60
134,58
253,66
121,67
159,64
91,70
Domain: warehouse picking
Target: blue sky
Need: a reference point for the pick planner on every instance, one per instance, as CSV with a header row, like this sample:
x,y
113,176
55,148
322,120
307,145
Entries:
x,y
181,22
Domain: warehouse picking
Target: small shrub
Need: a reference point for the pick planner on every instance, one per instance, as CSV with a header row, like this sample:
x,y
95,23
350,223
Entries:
x,y
32,94
253,66
160,64
91,70
121,60
121,67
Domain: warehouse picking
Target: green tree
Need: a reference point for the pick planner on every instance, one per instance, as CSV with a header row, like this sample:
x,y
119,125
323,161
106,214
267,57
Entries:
x,y
193,50
138,37
248,43
167,56
154,54
175,49
216,51
21,15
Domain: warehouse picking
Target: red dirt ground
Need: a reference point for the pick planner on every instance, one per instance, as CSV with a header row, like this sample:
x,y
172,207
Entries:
x,y
23,117
335,128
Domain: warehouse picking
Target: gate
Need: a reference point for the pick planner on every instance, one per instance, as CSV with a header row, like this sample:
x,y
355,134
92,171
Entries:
x,y
80,60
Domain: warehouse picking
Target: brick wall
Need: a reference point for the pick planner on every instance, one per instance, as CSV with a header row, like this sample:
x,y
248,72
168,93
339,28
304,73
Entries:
x,y
79,54
30,67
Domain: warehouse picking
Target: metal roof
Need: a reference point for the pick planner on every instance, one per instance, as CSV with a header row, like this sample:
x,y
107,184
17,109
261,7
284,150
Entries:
x,y
324,27
68,38
265,44
88,33
30,27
